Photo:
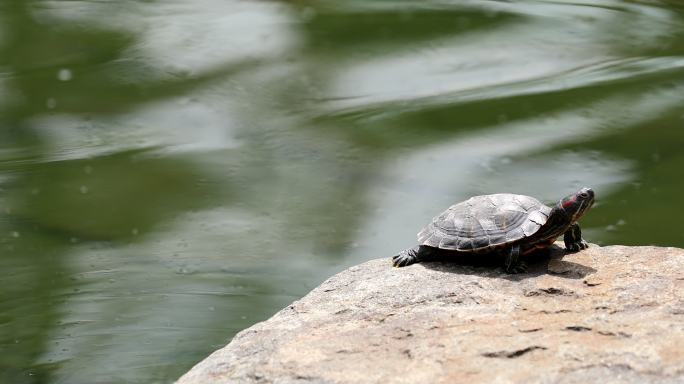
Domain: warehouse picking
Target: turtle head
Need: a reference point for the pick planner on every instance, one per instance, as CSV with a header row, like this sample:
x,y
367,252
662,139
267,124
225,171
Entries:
x,y
576,204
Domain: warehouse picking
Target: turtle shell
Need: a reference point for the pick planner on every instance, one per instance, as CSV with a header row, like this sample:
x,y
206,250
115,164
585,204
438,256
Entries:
x,y
484,223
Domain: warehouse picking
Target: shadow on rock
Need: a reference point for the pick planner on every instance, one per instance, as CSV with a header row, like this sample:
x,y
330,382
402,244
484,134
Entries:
x,y
541,262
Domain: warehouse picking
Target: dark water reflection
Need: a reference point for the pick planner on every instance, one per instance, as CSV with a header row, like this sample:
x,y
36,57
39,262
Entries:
x,y
172,172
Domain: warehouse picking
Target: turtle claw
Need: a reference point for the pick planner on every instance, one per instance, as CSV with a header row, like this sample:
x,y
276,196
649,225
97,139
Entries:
x,y
404,258
401,261
577,246
520,267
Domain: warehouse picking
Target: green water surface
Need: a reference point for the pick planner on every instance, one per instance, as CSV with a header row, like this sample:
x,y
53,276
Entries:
x,y
172,172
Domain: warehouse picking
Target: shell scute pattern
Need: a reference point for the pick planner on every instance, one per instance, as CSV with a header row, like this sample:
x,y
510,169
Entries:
x,y
483,223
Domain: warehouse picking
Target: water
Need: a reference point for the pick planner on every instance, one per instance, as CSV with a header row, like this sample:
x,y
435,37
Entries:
x,y
173,172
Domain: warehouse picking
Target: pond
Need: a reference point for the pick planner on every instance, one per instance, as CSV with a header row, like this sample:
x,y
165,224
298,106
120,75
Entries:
x,y
172,172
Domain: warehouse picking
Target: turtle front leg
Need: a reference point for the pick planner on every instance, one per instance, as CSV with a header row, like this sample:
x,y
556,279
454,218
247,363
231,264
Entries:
x,y
573,239
414,255
511,264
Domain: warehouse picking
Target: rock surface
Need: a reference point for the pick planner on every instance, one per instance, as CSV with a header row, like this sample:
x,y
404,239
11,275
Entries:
x,y
606,314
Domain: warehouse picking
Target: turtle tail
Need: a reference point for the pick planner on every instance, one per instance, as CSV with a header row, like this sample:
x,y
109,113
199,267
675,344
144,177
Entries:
x,y
406,257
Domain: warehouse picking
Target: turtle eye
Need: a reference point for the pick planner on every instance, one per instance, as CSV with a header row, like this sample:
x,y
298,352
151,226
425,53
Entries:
x,y
584,195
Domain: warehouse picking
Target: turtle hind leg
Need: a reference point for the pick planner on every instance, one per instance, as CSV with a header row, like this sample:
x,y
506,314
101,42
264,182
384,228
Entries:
x,y
413,255
512,264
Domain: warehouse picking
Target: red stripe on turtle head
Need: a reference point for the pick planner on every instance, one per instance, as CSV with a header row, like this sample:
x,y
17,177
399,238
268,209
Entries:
x,y
569,202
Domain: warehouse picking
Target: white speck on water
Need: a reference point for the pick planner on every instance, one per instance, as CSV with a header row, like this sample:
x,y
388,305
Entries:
x,y
64,74
611,228
51,103
88,169
15,234
212,309
621,222
185,270
83,189
243,317
134,231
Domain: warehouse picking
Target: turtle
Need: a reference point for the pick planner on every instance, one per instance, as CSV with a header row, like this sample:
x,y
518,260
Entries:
x,y
506,224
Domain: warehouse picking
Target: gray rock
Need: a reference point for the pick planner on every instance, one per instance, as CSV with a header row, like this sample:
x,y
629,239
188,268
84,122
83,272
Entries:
x,y
611,314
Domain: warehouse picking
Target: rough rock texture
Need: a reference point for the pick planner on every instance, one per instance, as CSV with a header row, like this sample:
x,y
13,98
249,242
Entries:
x,y
611,314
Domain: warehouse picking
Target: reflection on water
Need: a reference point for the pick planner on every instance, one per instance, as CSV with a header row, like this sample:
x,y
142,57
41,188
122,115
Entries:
x,y
172,172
